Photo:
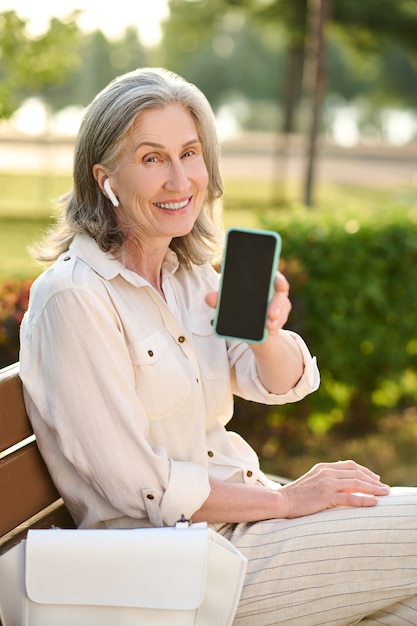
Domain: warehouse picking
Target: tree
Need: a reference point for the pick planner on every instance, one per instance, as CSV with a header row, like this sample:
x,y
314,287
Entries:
x,y
231,58
100,60
373,27
62,66
319,13
11,40
29,65
369,25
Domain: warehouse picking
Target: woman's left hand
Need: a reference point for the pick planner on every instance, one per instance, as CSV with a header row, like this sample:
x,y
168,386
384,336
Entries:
x,y
331,485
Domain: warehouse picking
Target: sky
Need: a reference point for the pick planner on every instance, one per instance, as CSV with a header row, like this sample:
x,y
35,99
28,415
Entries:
x,y
112,18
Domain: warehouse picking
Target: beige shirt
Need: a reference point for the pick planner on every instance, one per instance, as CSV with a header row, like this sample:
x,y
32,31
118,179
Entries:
x,y
129,395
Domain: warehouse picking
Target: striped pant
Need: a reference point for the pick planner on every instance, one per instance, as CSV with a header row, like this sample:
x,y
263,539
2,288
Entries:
x,y
339,567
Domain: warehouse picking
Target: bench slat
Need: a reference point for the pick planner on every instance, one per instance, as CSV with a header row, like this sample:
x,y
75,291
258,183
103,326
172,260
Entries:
x,y
28,497
25,487
14,424
54,515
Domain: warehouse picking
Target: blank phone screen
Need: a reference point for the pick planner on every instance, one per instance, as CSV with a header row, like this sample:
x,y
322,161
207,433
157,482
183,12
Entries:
x,y
248,269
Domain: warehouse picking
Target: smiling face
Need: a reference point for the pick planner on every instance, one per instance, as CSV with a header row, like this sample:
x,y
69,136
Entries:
x,y
161,179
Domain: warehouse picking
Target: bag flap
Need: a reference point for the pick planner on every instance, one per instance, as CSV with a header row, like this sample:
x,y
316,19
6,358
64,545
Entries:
x,y
148,567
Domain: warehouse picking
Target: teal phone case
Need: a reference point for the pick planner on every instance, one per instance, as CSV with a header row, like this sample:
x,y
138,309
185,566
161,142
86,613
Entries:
x,y
253,257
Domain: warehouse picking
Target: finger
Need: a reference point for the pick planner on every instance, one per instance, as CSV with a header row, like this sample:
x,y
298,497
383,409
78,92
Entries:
x,y
278,312
349,464
367,471
347,478
369,487
355,479
273,326
211,298
281,284
356,500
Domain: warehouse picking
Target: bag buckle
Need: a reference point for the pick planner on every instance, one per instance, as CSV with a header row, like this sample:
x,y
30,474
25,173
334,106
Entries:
x,y
183,522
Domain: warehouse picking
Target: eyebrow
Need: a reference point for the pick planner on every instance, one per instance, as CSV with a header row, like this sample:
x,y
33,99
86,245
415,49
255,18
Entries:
x,y
152,144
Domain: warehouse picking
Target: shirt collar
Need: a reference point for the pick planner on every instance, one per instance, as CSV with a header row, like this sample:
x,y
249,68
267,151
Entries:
x,y
106,265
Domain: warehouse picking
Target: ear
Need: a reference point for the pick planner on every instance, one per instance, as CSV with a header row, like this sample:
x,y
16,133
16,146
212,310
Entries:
x,y
102,177
110,193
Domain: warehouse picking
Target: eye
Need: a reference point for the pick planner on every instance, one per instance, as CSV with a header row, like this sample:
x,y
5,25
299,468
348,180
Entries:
x,y
150,158
189,153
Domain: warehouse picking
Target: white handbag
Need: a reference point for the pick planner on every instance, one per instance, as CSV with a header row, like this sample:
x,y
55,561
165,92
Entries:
x,y
186,575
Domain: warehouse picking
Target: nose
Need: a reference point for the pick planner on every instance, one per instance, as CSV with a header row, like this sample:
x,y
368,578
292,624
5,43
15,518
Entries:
x,y
177,178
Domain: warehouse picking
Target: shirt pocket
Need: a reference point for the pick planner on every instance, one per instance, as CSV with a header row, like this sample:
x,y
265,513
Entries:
x,y
162,383
211,350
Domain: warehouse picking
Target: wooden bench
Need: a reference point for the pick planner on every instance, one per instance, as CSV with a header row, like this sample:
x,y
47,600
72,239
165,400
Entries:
x,y
28,497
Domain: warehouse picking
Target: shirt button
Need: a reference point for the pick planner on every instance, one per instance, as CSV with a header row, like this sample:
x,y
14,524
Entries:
x,y
150,496
181,339
150,352
67,258
249,473
210,453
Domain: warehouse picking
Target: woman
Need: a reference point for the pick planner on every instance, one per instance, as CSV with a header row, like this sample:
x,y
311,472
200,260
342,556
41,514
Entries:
x,y
129,391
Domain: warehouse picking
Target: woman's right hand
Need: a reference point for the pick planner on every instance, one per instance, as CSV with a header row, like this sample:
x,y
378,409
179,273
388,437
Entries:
x,y
331,485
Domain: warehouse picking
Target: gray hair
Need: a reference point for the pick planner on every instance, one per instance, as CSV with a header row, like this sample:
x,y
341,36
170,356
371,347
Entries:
x,y
103,130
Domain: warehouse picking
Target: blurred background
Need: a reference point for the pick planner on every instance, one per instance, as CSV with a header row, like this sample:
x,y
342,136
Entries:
x,y
316,109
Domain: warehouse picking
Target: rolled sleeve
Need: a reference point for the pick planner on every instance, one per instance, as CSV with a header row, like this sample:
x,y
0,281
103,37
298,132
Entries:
x,y
310,379
188,488
251,387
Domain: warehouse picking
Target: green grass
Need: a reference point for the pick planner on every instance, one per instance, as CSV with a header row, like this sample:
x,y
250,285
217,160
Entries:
x,y
246,201
31,196
16,234
27,207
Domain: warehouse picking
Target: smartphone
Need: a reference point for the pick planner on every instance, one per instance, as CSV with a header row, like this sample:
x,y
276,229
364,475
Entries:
x,y
249,266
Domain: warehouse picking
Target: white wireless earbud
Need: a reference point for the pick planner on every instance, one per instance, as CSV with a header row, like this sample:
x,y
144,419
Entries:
x,y
110,193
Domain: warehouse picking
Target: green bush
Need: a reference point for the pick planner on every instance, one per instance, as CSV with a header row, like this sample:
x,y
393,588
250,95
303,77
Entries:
x,y
353,288
14,298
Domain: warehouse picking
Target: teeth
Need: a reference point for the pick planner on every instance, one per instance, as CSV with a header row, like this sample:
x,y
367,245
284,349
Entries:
x,y
173,206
